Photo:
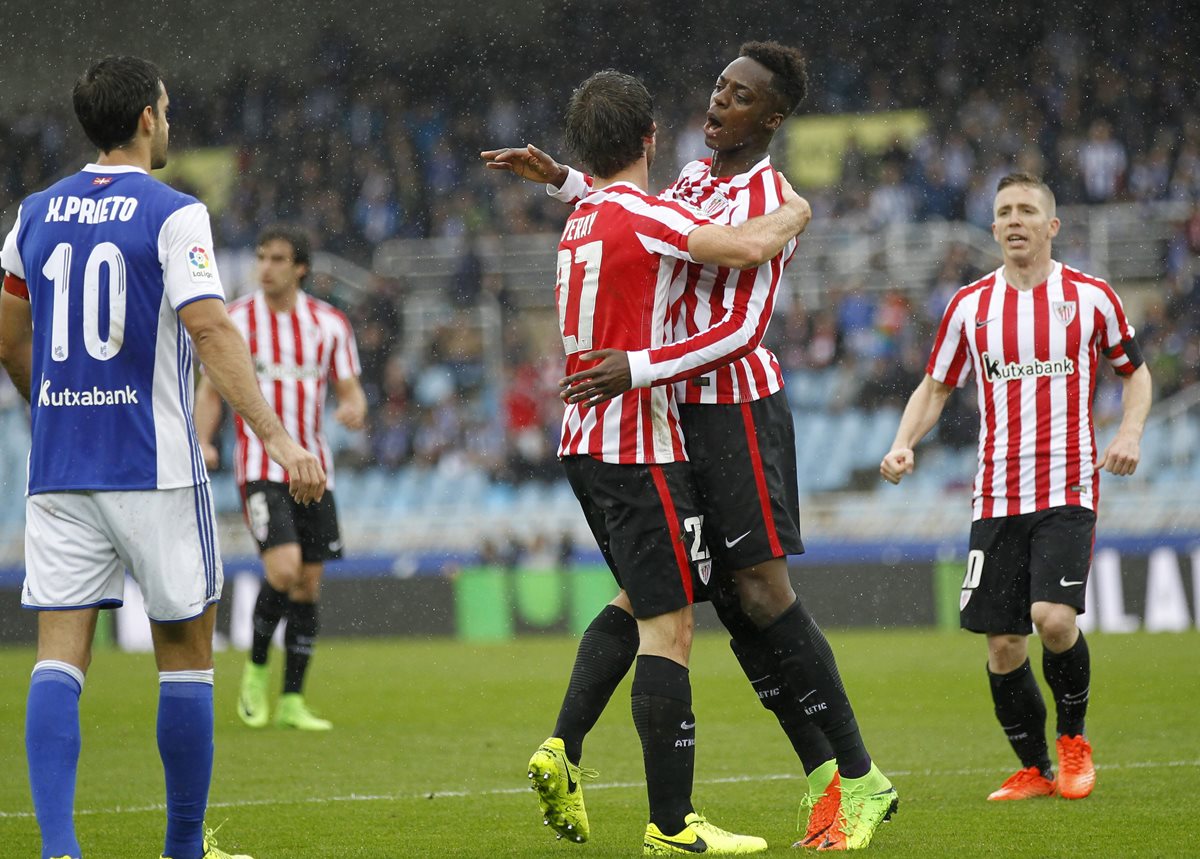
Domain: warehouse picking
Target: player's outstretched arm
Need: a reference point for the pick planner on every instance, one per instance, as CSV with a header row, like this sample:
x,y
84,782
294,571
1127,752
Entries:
x,y
1122,455
207,418
227,362
751,244
528,162
16,340
351,403
922,412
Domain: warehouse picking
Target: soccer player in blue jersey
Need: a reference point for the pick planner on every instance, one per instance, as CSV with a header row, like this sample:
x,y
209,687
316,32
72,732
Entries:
x,y
110,290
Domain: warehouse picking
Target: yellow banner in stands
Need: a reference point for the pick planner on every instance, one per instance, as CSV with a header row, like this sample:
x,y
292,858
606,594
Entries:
x,y
816,145
208,174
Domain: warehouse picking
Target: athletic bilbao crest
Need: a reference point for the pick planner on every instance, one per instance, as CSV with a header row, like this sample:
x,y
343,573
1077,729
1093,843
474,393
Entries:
x,y
1064,311
705,570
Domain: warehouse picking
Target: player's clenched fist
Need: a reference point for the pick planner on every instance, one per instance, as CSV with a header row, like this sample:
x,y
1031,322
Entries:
x,y
896,464
306,478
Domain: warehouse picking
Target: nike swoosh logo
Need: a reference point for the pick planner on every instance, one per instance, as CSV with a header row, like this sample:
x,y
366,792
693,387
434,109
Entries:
x,y
729,544
979,324
806,697
1063,581
697,846
687,726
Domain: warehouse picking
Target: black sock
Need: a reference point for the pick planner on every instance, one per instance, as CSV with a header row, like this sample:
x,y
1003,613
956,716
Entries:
x,y
604,657
299,638
807,738
1069,675
268,609
662,713
809,669
1022,715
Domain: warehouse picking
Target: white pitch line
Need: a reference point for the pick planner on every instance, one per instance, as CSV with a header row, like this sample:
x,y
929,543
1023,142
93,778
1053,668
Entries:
x,y
504,791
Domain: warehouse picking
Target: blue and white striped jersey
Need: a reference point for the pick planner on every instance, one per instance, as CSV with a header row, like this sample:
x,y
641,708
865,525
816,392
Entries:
x,y
109,256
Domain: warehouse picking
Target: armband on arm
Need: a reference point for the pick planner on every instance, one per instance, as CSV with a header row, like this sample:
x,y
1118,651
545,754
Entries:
x,y
14,285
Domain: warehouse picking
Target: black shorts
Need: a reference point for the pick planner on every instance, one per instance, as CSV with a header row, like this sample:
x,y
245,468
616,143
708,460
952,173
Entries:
x,y
648,527
276,519
744,466
1016,561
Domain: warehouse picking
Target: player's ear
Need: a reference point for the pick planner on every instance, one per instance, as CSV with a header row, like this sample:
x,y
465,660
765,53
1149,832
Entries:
x,y
1055,223
772,122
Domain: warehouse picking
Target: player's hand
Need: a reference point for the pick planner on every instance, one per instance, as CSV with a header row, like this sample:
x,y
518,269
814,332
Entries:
x,y
528,162
306,478
610,378
1121,457
351,414
899,462
212,456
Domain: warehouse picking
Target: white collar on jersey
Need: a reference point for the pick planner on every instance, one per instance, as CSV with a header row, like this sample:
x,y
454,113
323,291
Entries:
x,y
112,168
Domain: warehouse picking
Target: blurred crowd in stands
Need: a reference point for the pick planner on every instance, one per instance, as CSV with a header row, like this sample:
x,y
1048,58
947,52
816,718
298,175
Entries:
x,y
361,145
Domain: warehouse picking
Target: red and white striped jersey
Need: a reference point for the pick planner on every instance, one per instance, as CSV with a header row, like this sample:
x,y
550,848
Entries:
x,y
295,355
732,307
1035,355
619,254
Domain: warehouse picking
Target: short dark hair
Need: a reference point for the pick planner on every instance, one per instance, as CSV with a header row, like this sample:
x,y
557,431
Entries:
x,y
1030,180
789,71
608,117
294,236
111,95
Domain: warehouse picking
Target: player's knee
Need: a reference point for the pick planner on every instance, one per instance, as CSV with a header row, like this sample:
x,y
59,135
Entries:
x,y
1056,624
1006,653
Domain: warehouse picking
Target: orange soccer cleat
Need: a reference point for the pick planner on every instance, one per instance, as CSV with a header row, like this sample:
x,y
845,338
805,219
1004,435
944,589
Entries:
x,y
1076,774
1024,784
822,813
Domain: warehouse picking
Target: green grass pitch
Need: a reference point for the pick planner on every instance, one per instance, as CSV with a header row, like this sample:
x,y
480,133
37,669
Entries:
x,y
428,754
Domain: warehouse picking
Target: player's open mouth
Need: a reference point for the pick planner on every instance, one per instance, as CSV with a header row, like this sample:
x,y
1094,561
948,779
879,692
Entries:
x,y
712,125
1016,241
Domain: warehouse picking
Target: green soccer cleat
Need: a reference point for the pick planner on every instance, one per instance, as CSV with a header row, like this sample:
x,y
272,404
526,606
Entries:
x,y
252,706
292,712
700,836
558,784
211,851
866,803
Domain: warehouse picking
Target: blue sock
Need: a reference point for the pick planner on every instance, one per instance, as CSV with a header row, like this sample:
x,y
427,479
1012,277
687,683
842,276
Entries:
x,y
52,750
185,744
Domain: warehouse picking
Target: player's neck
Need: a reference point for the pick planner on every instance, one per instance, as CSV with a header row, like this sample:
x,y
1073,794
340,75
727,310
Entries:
x,y
1027,274
282,302
129,156
736,161
637,173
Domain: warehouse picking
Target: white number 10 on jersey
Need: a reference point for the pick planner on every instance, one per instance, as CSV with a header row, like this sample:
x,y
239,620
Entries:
x,y
58,270
582,301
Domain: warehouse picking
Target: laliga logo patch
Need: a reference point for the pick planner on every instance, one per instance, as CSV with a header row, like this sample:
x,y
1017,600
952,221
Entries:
x,y
199,265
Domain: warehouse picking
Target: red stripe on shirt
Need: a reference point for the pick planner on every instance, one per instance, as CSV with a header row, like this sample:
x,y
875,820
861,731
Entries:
x,y
1012,353
1073,465
677,541
1042,411
298,341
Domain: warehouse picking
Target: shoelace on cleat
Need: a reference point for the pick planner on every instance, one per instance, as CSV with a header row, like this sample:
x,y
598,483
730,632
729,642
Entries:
x,y
1073,752
1020,778
807,802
